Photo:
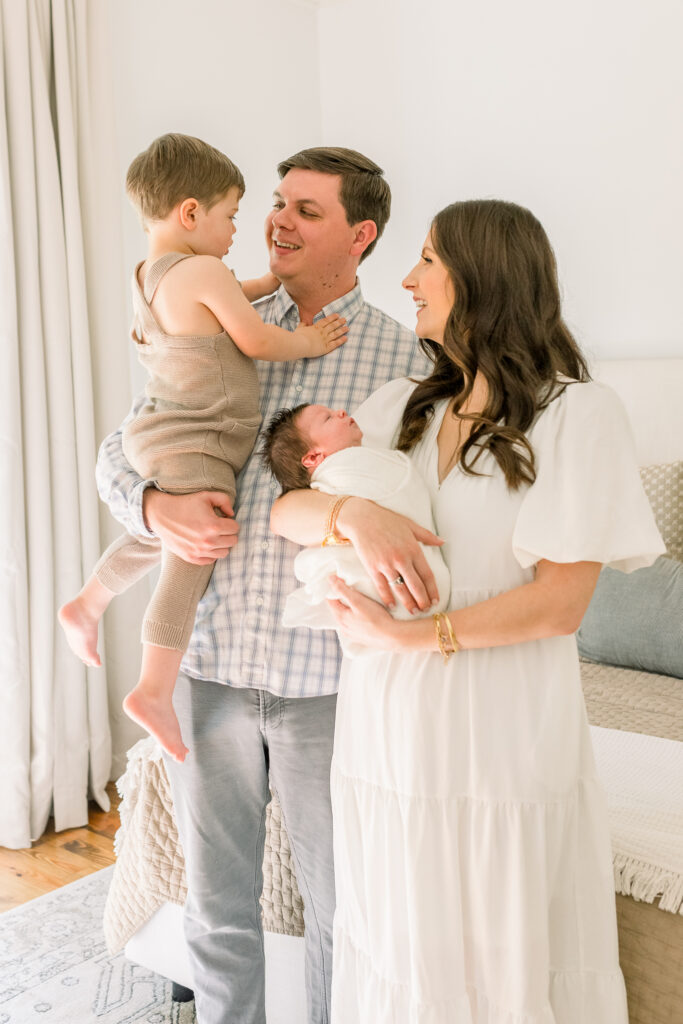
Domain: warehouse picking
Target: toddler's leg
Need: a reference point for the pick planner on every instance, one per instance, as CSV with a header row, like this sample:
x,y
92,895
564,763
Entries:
x,y
166,633
122,564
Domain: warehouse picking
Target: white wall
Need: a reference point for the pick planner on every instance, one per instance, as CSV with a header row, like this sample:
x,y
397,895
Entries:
x,y
571,109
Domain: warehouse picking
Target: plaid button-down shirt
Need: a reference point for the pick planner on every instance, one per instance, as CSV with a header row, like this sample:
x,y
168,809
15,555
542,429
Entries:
x,y
238,637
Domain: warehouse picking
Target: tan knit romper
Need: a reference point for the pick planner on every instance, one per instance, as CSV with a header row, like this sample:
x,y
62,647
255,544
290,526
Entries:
x,y
194,433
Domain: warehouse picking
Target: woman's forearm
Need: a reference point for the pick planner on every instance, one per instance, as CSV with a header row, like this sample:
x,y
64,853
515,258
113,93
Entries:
x,y
300,516
553,604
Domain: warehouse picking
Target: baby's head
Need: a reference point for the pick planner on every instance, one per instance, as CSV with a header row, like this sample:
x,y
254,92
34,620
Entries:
x,y
297,440
176,169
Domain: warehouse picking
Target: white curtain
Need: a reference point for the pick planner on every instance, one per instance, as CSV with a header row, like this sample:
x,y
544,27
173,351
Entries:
x,y
60,303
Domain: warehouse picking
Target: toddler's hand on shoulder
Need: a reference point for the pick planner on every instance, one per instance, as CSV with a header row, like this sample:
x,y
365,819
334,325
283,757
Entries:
x,y
325,335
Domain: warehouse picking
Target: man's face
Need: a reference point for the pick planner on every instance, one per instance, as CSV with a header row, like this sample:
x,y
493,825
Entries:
x,y
309,238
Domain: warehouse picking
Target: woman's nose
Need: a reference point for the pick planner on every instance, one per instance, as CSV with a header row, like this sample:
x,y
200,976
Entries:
x,y
408,281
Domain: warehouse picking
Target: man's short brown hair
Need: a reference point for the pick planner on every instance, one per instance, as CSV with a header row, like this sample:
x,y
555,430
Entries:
x,y
177,167
283,447
364,192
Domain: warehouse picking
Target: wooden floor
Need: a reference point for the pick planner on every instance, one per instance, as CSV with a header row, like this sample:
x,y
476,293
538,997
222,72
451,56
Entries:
x,y
58,858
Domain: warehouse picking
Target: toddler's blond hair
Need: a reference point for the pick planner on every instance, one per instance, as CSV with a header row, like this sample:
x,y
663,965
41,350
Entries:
x,y
177,167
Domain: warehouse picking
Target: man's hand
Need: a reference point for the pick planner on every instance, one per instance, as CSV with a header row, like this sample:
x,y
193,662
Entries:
x,y
388,545
188,525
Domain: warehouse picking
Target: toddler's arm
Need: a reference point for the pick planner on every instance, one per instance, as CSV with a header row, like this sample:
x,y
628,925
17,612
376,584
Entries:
x,y
258,287
216,287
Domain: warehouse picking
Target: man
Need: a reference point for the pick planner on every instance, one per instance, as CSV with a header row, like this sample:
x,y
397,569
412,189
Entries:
x,y
275,717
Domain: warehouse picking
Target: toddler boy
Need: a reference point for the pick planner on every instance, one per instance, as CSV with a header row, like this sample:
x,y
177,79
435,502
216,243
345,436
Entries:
x,y
197,336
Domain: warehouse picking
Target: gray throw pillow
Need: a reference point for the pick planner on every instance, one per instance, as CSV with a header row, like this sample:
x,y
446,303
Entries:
x,y
636,619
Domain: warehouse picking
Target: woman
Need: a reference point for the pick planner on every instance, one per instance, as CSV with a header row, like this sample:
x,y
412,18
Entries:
x,y
473,864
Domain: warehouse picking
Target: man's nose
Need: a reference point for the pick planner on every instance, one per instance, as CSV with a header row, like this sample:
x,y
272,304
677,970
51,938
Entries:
x,y
281,218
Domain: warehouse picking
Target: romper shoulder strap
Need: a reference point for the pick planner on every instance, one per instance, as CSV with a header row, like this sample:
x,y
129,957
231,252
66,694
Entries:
x,y
157,270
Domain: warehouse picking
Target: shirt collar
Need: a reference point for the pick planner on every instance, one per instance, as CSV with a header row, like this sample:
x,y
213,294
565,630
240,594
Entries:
x,y
346,305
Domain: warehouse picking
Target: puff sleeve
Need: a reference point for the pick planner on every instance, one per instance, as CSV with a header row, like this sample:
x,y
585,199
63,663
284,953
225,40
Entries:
x,y
587,502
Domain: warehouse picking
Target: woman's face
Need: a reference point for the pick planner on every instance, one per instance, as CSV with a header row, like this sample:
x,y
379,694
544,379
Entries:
x,y
433,293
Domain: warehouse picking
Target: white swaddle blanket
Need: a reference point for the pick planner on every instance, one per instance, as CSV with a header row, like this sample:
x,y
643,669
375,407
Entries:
x,y
389,478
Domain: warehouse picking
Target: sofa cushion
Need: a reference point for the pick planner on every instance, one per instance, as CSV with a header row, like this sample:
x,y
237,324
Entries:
x,y
636,619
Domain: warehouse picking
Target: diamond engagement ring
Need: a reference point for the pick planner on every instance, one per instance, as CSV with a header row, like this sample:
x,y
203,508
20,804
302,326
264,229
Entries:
x,y
398,582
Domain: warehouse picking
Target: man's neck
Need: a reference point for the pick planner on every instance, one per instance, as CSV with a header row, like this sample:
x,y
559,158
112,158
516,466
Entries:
x,y
311,302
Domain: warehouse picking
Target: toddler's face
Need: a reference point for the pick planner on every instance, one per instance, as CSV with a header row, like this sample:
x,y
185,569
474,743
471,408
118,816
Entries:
x,y
216,227
329,430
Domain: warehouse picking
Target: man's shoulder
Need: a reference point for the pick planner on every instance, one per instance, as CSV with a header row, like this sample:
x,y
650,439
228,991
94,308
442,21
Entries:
x,y
387,324
264,307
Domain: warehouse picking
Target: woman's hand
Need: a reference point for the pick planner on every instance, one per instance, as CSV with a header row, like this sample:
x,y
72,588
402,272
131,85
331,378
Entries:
x,y
363,620
388,545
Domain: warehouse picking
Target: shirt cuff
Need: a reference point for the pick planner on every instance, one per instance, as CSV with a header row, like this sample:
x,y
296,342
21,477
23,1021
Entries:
x,y
135,509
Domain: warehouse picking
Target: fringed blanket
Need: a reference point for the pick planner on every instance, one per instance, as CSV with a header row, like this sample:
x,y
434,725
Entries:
x,y
643,778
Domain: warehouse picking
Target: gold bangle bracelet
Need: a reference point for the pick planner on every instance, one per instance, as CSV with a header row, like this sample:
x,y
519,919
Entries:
x,y
444,638
441,638
331,536
455,646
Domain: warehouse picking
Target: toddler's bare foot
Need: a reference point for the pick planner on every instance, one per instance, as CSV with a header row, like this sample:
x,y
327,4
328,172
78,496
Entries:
x,y
154,712
80,629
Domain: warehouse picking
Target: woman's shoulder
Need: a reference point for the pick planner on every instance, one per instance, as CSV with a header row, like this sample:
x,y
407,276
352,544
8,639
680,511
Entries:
x,y
379,417
580,405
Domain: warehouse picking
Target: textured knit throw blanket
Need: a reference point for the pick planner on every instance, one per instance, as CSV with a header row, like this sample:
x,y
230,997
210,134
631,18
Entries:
x,y
643,777
150,866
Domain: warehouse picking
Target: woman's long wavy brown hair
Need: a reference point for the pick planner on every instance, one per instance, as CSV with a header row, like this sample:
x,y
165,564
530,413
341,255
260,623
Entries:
x,y
505,323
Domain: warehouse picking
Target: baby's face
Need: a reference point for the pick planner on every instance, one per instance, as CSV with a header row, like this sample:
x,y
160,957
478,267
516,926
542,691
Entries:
x,y
328,430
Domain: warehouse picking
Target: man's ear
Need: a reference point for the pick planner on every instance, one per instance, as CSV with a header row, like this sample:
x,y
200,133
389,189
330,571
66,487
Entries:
x,y
364,232
187,213
312,458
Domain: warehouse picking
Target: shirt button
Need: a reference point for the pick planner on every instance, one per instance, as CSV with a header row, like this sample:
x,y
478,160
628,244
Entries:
x,y
259,601
298,389
264,545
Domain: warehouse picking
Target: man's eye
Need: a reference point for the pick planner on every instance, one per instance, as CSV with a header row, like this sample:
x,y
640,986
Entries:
x,y
278,206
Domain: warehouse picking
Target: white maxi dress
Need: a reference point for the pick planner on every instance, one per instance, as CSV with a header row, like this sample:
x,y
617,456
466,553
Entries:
x,y
472,858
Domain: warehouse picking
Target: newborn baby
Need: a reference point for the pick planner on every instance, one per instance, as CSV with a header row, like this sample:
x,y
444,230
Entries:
x,y
313,446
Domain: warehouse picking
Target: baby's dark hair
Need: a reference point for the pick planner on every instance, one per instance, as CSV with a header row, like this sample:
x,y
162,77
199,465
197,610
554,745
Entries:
x,y
283,448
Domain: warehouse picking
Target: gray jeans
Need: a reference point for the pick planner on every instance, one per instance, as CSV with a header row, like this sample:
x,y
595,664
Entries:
x,y
236,738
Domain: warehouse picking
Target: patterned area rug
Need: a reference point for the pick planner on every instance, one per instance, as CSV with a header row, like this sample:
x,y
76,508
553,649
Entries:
x,y
54,967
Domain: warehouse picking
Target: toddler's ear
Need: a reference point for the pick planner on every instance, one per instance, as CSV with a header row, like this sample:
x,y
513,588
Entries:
x,y
188,212
312,459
